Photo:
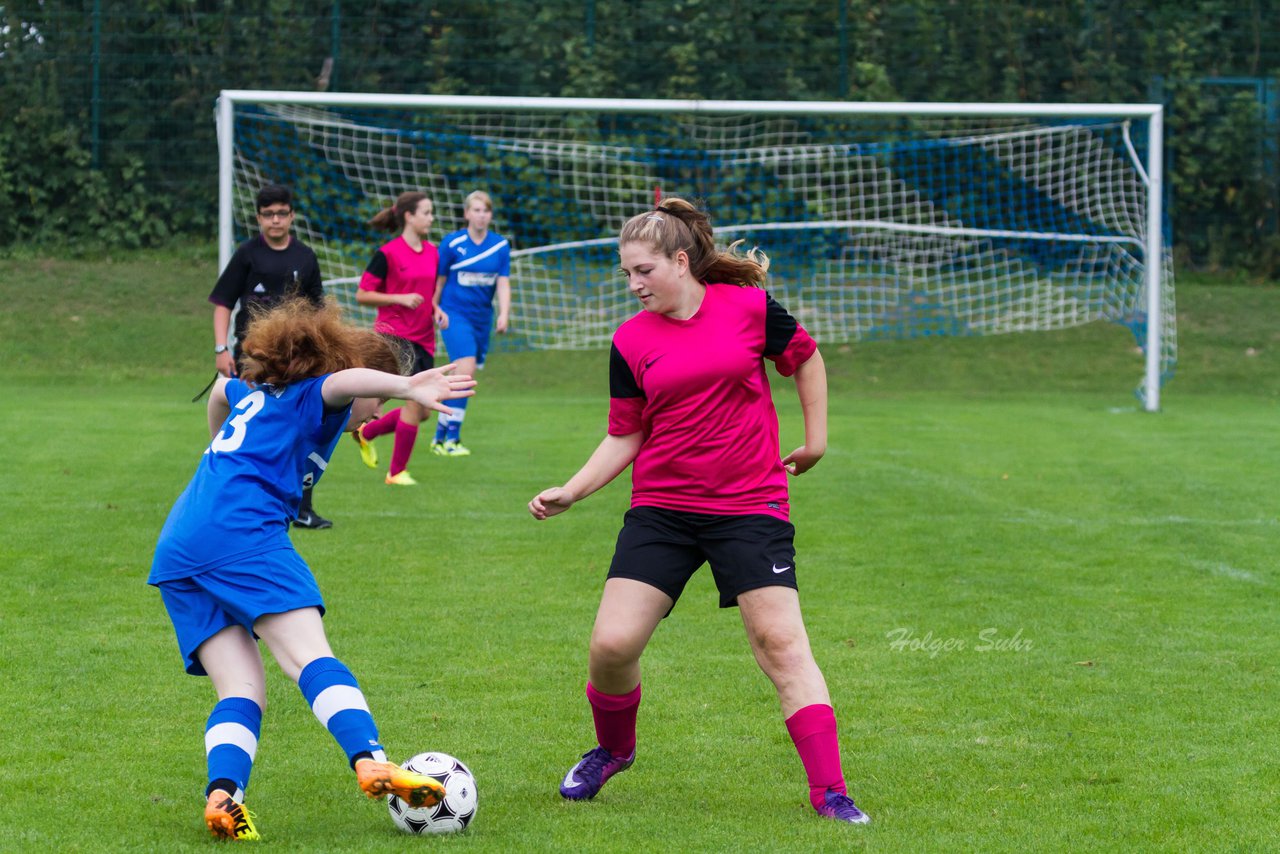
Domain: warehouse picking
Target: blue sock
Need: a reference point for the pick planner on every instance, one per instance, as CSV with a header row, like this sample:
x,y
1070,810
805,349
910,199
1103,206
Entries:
x,y
231,742
338,704
442,426
459,407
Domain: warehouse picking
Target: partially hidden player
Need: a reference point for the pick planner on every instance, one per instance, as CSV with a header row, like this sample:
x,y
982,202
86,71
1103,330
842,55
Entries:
x,y
400,281
226,569
269,267
690,410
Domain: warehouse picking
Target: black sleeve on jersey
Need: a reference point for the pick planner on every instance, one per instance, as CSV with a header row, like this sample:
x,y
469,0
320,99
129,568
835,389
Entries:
x,y
377,265
622,383
230,285
312,287
779,327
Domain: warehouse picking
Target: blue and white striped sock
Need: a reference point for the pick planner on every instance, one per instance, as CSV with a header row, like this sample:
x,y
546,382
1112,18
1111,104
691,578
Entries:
x,y
231,742
335,698
459,407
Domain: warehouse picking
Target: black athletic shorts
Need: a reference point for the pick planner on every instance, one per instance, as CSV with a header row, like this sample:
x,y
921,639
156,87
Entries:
x,y
664,548
421,359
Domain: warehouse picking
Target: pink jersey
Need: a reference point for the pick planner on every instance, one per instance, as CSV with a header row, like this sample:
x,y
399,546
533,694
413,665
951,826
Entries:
x,y
396,269
697,390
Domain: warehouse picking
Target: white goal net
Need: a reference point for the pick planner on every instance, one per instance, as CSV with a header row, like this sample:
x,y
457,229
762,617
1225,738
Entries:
x,y
885,220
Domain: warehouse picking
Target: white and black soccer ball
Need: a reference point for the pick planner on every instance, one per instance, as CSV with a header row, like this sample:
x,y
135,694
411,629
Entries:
x,y
452,814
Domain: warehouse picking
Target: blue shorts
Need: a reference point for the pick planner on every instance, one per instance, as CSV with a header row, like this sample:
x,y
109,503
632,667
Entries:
x,y
237,595
465,337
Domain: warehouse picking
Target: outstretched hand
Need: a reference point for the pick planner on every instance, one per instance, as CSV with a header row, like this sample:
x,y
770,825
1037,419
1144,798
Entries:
x,y
801,460
551,502
431,388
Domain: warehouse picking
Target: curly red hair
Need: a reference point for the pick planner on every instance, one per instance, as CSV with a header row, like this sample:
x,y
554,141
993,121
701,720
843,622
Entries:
x,y
296,341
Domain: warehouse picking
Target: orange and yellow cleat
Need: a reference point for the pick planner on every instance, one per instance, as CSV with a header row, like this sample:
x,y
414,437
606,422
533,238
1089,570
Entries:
x,y
379,779
227,819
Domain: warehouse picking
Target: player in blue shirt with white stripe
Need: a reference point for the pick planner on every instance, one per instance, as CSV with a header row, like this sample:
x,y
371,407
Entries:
x,y
475,264
226,569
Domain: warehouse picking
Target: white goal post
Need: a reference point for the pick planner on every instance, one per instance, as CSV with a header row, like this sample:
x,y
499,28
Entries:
x,y
882,219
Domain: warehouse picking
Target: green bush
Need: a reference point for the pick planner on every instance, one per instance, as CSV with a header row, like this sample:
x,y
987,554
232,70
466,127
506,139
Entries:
x,y
51,195
156,67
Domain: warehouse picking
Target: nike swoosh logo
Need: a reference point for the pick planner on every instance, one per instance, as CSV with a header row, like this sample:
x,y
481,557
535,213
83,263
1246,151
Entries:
x,y
569,782
649,364
780,569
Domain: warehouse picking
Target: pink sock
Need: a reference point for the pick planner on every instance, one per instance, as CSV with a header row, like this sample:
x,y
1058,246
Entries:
x,y
813,729
615,717
381,425
406,435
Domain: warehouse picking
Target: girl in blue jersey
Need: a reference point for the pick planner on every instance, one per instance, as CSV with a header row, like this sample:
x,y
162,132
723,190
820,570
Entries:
x,y
226,569
475,264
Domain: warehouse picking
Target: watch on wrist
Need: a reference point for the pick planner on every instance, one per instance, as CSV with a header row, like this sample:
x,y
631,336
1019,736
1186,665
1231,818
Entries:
x,y
219,349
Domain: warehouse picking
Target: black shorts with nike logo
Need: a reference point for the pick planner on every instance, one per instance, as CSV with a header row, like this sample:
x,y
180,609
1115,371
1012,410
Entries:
x,y
664,548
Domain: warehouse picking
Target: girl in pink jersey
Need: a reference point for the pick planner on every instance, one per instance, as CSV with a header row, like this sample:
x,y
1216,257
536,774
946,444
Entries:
x,y
401,281
690,410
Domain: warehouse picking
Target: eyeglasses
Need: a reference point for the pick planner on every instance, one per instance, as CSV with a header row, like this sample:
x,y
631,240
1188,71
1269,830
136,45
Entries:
x,y
275,214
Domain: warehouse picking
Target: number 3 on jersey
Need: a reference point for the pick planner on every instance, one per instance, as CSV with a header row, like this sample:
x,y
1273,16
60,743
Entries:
x,y
244,411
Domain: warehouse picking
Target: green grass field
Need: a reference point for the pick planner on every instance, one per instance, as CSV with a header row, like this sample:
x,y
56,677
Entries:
x,y
1048,620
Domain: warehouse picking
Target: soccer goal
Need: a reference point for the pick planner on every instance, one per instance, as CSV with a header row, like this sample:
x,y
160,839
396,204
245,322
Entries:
x,y
882,220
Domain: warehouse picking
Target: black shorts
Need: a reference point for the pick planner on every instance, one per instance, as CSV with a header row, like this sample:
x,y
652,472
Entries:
x,y
421,360
664,548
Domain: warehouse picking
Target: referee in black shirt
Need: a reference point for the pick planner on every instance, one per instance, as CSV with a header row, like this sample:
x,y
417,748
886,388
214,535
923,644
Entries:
x,y
263,271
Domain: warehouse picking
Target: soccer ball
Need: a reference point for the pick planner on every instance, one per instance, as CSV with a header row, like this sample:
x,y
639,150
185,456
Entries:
x,y
450,815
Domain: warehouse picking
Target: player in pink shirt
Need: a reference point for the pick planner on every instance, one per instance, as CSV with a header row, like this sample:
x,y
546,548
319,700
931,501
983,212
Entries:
x,y
401,281
690,410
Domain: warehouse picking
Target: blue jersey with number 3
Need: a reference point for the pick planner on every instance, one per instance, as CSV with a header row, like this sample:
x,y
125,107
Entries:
x,y
250,480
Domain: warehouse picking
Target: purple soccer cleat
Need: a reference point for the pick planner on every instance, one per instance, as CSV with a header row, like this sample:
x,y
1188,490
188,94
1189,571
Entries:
x,y
842,808
586,778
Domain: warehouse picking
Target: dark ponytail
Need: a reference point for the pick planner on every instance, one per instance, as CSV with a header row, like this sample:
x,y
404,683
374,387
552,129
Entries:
x,y
392,218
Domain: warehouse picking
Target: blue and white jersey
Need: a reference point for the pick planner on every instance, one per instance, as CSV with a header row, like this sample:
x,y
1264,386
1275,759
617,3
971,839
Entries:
x,y
472,270
249,482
